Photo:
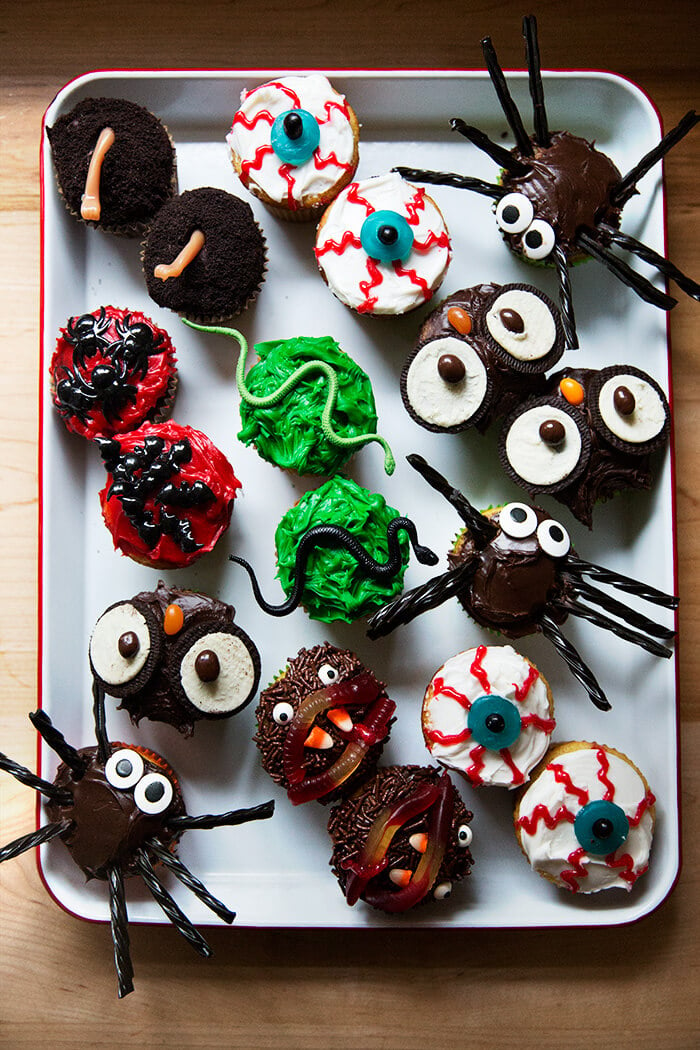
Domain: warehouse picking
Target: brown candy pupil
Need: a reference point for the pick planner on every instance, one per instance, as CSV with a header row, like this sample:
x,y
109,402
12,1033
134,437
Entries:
x,y
128,644
552,432
207,667
451,368
624,401
512,321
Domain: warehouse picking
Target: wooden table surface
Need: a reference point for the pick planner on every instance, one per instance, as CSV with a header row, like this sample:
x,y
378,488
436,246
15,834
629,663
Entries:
x,y
634,986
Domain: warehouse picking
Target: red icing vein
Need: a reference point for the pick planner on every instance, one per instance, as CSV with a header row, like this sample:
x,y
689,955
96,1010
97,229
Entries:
x,y
577,870
349,239
251,122
562,777
540,812
521,691
256,163
604,763
478,671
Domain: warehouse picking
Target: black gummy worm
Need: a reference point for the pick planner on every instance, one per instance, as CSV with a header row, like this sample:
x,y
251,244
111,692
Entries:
x,y
336,536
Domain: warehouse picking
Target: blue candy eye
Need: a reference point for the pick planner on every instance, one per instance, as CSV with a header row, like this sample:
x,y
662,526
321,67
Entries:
x,y
386,236
601,827
494,722
295,135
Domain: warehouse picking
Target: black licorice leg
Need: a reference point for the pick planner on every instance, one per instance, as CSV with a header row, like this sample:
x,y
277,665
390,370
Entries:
x,y
450,178
220,820
503,157
26,777
534,73
605,601
598,619
34,838
579,567
98,710
478,524
412,603
185,876
510,110
566,303
120,930
164,900
58,743
621,193
643,288
578,668
652,258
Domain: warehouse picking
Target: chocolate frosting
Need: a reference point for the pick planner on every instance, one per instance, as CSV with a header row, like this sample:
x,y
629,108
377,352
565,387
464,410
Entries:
x,y
107,826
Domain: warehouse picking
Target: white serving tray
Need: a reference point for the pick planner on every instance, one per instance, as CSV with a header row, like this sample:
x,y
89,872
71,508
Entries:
x,y
275,873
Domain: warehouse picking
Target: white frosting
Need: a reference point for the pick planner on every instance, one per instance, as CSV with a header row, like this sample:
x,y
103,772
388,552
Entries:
x,y
438,402
539,332
109,664
358,281
236,677
554,851
536,462
649,414
505,669
315,176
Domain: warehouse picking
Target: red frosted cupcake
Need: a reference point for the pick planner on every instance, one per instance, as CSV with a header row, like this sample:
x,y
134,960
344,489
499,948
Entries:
x,y
169,494
111,371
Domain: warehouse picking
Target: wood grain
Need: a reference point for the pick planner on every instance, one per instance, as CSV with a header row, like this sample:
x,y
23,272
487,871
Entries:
x,y
314,989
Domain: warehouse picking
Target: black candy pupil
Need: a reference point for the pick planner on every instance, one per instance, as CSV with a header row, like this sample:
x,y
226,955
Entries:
x,y
293,125
155,791
495,723
510,214
602,828
124,767
533,239
556,533
387,234
518,514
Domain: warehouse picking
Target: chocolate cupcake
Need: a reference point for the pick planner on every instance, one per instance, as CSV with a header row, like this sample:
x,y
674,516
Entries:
x,y
401,840
174,656
322,724
204,256
114,162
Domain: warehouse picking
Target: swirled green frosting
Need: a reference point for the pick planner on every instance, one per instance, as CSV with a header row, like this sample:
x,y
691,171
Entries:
x,y
288,433
336,586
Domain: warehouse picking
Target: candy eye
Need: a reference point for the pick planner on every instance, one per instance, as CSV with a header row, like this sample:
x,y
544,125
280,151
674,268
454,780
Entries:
x,y
153,793
294,136
493,722
445,385
219,670
386,236
464,836
630,409
282,713
517,520
553,538
123,648
525,324
328,674
442,891
124,768
601,827
538,240
544,446
514,213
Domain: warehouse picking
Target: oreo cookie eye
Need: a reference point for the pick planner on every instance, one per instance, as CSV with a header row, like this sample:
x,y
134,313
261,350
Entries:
x,y
553,538
601,827
124,768
493,722
538,240
328,674
153,794
386,236
464,836
442,891
282,713
120,645
294,136
544,445
517,520
446,384
633,408
514,213
219,671
523,324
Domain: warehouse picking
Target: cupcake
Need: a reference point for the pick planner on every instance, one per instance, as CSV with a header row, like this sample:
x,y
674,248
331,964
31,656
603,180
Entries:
x,y
169,494
111,371
401,840
114,162
590,435
204,256
585,822
322,724
294,144
479,354
488,714
174,656
382,247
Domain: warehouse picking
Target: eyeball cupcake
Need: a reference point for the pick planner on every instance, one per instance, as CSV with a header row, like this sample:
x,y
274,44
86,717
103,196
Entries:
x,y
586,820
488,714
294,144
382,247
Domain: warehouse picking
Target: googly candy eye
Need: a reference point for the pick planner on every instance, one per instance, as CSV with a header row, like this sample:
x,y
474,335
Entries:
x,y
538,240
514,213
124,768
553,538
153,793
386,236
464,836
493,722
442,891
219,671
517,520
328,674
282,713
601,827
123,647
295,136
